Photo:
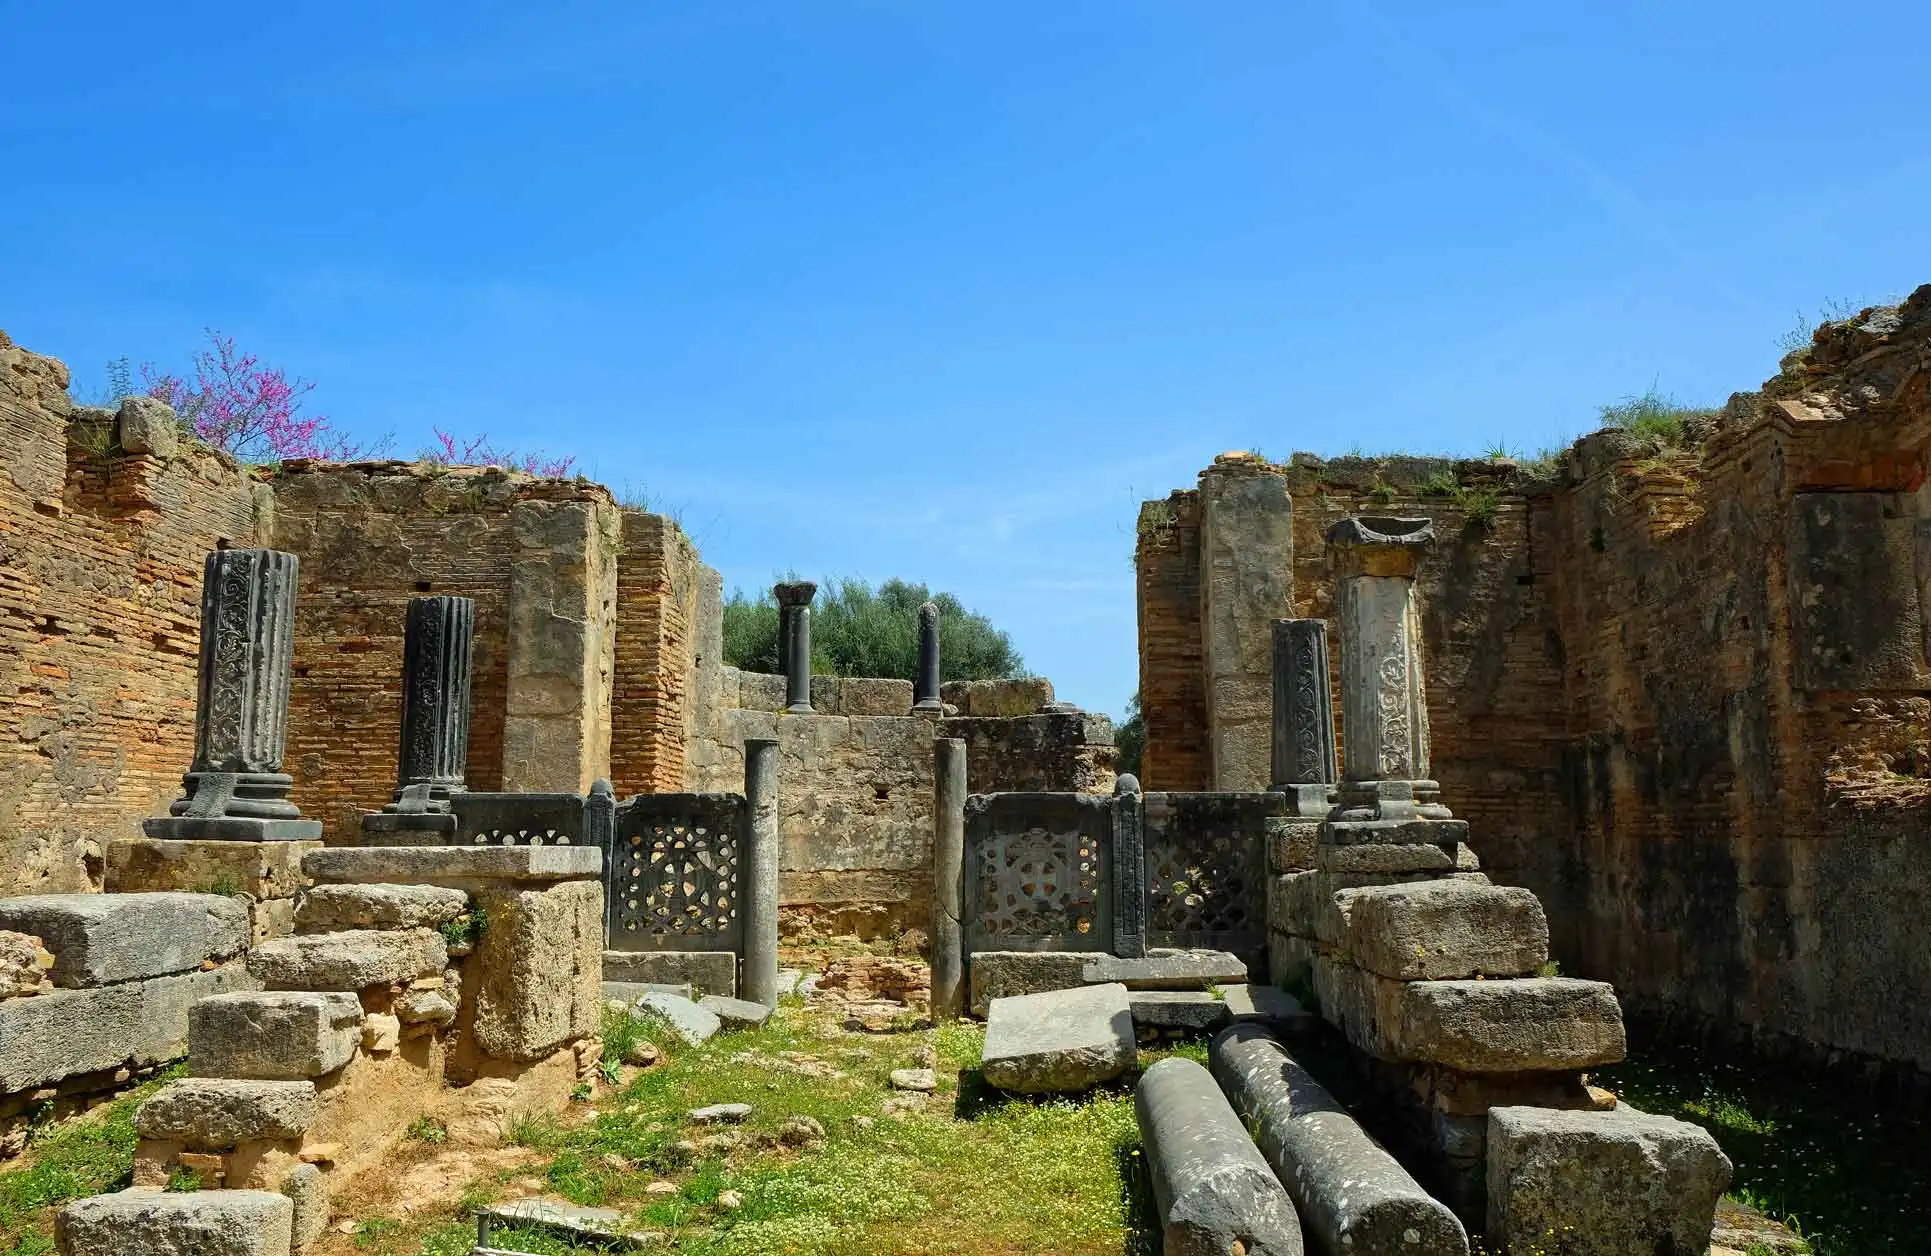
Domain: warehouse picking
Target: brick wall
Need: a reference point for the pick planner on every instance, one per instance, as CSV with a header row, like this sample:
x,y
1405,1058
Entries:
x,y
658,576
100,613
1173,693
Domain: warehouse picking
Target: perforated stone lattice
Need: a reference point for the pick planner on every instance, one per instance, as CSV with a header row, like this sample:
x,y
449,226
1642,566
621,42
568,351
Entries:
x,y
676,878
521,837
1039,883
1201,887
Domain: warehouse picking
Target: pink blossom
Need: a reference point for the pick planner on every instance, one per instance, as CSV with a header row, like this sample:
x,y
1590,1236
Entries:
x,y
480,451
252,411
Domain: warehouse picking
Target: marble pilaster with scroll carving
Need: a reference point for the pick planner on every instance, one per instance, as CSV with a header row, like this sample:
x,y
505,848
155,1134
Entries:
x,y
1303,732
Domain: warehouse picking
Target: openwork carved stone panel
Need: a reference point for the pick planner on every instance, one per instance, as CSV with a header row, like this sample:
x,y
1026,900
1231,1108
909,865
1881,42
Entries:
x,y
1206,870
673,875
1039,872
518,819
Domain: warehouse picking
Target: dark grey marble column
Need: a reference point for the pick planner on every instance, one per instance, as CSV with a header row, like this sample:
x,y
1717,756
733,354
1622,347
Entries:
x,y
925,686
763,843
948,878
235,790
1303,760
1129,868
436,651
794,641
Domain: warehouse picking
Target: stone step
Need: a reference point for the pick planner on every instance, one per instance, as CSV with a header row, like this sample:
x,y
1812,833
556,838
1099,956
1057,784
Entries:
x,y
132,1222
1059,1040
104,939
1180,970
352,959
219,1113
333,908
279,1035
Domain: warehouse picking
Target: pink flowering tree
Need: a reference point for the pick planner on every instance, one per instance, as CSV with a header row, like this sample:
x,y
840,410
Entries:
x,y
480,451
251,410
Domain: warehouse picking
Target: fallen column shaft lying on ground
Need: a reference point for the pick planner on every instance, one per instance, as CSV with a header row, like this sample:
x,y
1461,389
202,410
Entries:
x,y
1212,1187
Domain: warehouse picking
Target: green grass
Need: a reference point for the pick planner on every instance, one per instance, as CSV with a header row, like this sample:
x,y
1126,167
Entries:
x,y
1849,1177
84,1156
1655,418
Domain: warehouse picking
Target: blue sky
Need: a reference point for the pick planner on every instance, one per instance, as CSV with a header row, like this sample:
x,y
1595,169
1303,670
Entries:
x,y
943,291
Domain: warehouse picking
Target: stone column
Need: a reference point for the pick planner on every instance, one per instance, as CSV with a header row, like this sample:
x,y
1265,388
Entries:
x,y
794,641
1129,868
925,686
235,789
436,639
948,878
1384,711
758,894
1303,759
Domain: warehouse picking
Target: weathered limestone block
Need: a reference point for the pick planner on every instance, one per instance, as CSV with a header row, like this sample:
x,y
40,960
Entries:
x,y
1008,698
145,425
1351,1194
1605,1182
1062,1040
216,1113
539,968
136,1024
1401,857
169,1223
327,908
1246,583
1291,844
416,1007
308,1190
693,1022
1195,1010
351,960
1214,1192
1185,970
1270,1005
273,1035
24,961
705,972
855,695
261,870
735,1013
1002,974
457,866
101,939
1544,1024
1443,930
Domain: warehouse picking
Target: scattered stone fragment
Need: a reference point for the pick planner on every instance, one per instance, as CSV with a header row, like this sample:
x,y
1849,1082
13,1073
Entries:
x,y
1214,1192
1182,970
1062,1040
789,979
802,1131
719,1113
691,1022
328,908
350,960
307,1188
165,1223
416,1007
102,939
641,1054
24,962
926,1056
381,1033
736,1013
549,1212
216,1113
729,1140
729,1199
914,1079
661,1188
908,1101
1608,1182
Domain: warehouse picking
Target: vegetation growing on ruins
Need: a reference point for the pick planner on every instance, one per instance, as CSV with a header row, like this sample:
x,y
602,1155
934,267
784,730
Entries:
x,y
1130,738
857,630
1656,418
68,1161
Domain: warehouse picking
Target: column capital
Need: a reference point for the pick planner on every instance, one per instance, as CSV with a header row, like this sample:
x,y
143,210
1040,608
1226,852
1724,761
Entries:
x,y
1378,545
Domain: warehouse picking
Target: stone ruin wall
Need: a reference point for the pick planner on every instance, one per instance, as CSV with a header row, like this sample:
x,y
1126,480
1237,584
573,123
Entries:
x,y
1685,699
100,615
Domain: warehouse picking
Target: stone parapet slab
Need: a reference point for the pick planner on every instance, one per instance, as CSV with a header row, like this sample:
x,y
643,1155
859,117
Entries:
x,y
456,866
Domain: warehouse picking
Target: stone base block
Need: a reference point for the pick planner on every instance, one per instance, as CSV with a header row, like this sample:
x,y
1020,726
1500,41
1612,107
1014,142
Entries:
x,y
159,1223
457,866
102,939
328,908
1408,857
216,1114
1002,974
705,972
1606,1182
261,870
350,960
1291,844
1180,970
1195,1010
1442,931
273,1036
1541,1024
137,1024
1059,1041
230,829
538,968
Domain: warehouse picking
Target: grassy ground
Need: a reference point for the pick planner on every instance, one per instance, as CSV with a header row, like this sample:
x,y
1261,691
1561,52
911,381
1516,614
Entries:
x,y
1850,1178
971,1171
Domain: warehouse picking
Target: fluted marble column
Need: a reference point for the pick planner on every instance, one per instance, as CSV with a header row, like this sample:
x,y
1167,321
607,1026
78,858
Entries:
x,y
925,686
794,641
1303,732
235,789
434,751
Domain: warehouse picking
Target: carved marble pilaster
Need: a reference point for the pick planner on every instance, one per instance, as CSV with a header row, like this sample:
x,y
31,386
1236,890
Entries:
x,y
1303,732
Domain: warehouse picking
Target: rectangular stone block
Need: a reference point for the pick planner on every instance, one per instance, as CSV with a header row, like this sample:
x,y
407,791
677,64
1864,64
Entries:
x,y
176,1223
1607,1182
1442,930
1059,1041
136,1024
1291,844
350,960
327,908
759,691
273,1035
1195,1010
1182,970
101,939
1505,1026
262,870
1407,857
705,972
214,1114
457,866
538,968
1023,696
1001,974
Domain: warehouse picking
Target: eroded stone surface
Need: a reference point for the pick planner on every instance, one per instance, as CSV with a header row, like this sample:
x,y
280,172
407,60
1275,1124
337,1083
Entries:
x,y
1443,930
168,1223
1608,1182
540,967
214,1113
327,908
137,1023
736,1013
1214,1192
691,1022
351,960
1197,1010
706,972
103,939
273,1035
1061,1040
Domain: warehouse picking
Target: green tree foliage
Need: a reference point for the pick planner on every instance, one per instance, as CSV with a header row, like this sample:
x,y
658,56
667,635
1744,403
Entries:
x,y
857,630
1130,737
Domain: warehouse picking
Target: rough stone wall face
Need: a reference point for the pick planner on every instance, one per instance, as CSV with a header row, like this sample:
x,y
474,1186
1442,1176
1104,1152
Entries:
x,y
1173,698
100,588
1246,575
